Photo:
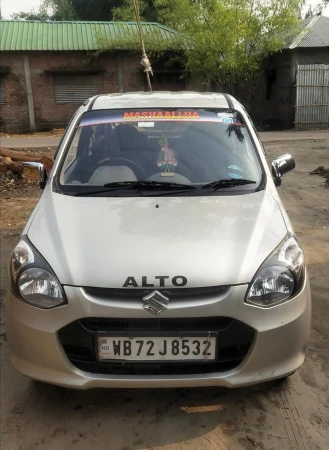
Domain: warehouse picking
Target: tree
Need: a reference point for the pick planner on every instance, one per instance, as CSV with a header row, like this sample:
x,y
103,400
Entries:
x,y
315,10
32,15
147,8
90,10
94,10
229,40
45,12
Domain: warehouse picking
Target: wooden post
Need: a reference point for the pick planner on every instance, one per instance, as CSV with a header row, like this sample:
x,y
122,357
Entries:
x,y
120,71
29,92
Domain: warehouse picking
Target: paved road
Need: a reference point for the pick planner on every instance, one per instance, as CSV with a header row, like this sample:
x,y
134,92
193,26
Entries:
x,y
29,142
270,136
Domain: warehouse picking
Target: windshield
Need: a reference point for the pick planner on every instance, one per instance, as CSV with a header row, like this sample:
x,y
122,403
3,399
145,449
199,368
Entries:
x,y
186,147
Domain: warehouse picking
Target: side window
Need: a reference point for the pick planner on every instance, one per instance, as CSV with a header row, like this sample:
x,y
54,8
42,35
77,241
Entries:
x,y
62,138
72,153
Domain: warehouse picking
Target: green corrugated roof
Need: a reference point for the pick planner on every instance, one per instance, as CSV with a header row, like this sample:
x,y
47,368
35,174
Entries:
x,y
18,35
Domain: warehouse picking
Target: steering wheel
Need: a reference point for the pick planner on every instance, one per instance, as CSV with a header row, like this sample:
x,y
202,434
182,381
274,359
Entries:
x,y
138,170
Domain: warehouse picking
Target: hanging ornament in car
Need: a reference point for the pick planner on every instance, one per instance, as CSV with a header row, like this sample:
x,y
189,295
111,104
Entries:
x,y
168,162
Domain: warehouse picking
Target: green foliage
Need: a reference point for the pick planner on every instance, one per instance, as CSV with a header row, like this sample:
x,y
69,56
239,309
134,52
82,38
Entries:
x,y
44,13
90,10
227,40
126,11
94,10
63,9
32,15
154,43
230,39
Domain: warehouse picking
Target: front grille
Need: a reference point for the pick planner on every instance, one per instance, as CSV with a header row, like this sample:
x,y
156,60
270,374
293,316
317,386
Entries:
x,y
173,293
79,341
205,324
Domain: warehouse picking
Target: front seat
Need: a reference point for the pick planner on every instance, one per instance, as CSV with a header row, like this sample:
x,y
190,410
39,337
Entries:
x,y
202,154
134,146
130,138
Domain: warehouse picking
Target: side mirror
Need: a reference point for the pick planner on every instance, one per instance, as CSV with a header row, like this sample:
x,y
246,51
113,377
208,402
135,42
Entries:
x,y
35,171
281,165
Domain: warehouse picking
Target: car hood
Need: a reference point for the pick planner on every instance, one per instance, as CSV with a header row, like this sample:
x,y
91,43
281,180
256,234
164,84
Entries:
x,y
209,240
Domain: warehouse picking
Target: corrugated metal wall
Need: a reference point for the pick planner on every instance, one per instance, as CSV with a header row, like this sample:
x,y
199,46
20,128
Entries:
x,y
75,88
312,97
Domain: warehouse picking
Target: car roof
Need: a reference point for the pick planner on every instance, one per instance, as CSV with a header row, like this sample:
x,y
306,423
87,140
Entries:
x,y
165,99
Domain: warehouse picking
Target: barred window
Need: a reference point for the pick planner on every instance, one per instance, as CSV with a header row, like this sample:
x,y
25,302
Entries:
x,y
2,92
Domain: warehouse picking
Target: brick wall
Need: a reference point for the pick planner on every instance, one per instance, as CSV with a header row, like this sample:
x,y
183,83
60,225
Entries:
x,y
14,114
48,113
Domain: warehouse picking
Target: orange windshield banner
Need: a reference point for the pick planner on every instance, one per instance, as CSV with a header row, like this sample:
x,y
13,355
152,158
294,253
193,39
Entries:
x,y
149,117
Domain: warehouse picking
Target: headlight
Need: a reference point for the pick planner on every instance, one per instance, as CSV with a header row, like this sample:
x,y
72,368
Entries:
x,y
39,287
280,277
32,279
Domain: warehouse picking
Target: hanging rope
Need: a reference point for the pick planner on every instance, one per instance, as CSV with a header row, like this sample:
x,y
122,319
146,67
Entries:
x,y
145,61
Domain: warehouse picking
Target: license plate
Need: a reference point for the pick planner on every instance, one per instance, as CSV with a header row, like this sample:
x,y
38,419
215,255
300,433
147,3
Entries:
x,y
141,348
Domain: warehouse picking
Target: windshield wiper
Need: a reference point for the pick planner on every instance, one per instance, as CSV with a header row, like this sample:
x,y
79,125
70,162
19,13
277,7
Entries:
x,y
169,188
213,186
149,184
139,184
231,182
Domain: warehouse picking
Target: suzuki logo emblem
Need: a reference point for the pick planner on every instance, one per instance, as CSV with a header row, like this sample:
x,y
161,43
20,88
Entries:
x,y
155,303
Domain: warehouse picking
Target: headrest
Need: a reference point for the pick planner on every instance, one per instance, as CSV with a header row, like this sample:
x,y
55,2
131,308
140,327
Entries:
x,y
110,174
129,137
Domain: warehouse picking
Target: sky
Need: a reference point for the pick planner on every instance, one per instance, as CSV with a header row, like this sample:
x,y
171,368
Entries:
x,y
9,7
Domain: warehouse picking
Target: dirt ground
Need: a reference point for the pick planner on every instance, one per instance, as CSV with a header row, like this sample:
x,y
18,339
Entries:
x,y
289,416
54,132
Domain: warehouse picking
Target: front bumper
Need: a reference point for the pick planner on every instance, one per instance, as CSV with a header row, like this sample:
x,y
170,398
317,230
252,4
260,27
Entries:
x,y
278,347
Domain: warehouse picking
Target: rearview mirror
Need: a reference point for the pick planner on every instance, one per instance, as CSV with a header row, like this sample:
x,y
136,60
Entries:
x,y
281,165
35,171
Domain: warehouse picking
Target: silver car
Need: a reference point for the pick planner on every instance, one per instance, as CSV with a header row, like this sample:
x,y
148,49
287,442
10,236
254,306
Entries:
x,y
160,254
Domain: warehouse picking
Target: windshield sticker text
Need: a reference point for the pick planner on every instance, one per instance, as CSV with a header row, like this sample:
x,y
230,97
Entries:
x,y
161,115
